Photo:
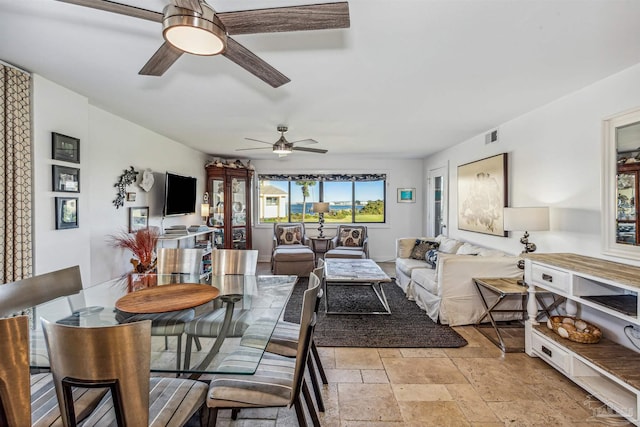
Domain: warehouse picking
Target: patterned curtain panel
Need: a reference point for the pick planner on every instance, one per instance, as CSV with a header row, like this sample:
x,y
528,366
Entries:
x,y
324,177
15,179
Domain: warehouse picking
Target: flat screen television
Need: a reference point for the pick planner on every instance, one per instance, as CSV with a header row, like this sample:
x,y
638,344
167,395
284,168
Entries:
x,y
179,194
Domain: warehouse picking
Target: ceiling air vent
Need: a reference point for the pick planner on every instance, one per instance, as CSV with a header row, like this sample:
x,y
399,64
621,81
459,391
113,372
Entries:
x,y
491,137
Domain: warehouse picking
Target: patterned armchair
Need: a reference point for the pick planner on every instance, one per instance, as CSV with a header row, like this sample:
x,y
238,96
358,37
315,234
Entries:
x,y
351,241
291,253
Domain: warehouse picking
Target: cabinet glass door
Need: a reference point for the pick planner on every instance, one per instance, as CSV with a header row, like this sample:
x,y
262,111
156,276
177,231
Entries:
x,y
217,212
239,212
626,211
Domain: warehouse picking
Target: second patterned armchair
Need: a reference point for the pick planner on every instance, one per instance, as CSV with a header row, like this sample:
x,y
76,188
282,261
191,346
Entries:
x,y
351,241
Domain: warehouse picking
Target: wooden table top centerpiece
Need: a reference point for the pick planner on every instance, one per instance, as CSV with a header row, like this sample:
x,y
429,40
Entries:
x,y
165,298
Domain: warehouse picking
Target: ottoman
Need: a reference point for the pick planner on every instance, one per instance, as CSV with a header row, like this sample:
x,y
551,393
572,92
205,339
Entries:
x,y
345,253
298,260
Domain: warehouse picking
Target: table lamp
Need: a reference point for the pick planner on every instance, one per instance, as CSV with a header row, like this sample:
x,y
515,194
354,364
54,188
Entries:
x,y
320,208
526,219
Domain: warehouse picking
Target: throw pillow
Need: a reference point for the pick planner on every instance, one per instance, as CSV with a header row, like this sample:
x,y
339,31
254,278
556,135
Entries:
x,y
290,236
468,249
421,248
351,237
432,257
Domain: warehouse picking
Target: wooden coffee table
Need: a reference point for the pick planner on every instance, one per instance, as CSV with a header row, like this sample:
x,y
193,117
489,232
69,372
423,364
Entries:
x,y
355,272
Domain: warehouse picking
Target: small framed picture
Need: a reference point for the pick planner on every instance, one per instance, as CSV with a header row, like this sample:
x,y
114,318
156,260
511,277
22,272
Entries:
x,y
66,212
65,148
406,195
65,179
138,218
131,197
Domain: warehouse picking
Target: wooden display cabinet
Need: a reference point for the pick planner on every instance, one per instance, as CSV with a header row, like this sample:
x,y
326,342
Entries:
x,y
230,212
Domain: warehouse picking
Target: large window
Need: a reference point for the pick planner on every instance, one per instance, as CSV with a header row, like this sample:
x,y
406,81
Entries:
x,y
351,197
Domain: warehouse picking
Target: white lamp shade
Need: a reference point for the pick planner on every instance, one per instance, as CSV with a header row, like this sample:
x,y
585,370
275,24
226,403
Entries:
x,y
320,207
526,219
204,209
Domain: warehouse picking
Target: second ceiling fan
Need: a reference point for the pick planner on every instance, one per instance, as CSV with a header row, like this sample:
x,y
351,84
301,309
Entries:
x,y
283,147
192,26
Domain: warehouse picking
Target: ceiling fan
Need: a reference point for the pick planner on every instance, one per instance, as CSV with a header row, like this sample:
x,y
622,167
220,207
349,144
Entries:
x,y
284,147
192,26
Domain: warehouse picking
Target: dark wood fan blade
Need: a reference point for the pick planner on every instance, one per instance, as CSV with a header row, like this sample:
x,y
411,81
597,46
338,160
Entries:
x,y
293,18
305,141
310,150
161,60
122,9
188,4
257,140
256,66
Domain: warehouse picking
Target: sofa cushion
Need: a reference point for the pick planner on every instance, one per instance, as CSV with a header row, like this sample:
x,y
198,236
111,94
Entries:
x,y
421,248
290,235
468,249
425,278
350,237
289,253
406,265
449,246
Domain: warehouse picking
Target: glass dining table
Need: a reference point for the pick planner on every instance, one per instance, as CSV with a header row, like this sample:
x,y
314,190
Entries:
x,y
264,296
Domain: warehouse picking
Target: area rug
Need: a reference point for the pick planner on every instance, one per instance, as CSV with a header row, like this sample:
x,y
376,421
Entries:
x,y
406,327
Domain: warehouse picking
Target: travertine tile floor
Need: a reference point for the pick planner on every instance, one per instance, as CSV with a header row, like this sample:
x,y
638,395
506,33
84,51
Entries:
x,y
476,385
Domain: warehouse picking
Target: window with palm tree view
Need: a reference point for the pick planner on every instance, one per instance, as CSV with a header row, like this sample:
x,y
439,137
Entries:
x,y
352,197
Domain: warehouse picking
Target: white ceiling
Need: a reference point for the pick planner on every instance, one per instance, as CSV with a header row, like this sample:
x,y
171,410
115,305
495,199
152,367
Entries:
x,y
410,77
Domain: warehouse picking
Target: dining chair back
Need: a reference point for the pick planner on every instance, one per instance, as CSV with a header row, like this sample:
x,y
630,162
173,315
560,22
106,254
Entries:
x,y
180,261
117,358
15,398
30,292
234,261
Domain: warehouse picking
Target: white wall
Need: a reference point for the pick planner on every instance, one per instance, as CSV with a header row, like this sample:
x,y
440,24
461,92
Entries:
x,y
108,145
554,160
403,219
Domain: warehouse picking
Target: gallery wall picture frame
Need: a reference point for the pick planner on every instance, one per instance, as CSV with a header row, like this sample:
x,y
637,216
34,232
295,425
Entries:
x,y
406,195
65,148
138,218
66,212
131,197
65,179
482,195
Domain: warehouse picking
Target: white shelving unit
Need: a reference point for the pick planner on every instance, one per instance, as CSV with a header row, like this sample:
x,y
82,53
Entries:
x,y
192,240
608,370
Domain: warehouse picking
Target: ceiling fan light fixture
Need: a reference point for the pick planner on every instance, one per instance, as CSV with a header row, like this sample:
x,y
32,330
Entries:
x,y
282,147
191,32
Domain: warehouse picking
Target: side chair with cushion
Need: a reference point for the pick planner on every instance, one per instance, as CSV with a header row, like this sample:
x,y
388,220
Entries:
x,y
30,400
209,325
350,241
278,380
291,253
284,341
118,358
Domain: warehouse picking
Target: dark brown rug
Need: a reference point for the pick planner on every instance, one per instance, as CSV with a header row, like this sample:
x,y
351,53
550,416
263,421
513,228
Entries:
x,y
406,327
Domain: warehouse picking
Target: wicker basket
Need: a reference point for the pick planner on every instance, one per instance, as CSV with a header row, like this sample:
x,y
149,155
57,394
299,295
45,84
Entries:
x,y
574,329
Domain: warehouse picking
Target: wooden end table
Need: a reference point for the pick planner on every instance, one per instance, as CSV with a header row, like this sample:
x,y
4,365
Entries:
x,y
320,246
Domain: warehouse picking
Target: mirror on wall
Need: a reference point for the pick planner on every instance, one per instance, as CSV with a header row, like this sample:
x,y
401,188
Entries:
x,y
621,180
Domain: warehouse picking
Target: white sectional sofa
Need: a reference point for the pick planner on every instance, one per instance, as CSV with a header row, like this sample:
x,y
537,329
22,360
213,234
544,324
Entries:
x,y
447,292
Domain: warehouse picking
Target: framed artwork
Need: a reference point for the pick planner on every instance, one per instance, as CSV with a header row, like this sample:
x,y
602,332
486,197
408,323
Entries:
x,y
131,197
65,148
482,195
65,179
66,212
138,218
406,195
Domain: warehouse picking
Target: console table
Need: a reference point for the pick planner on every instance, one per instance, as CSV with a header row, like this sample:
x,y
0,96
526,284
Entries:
x,y
607,370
